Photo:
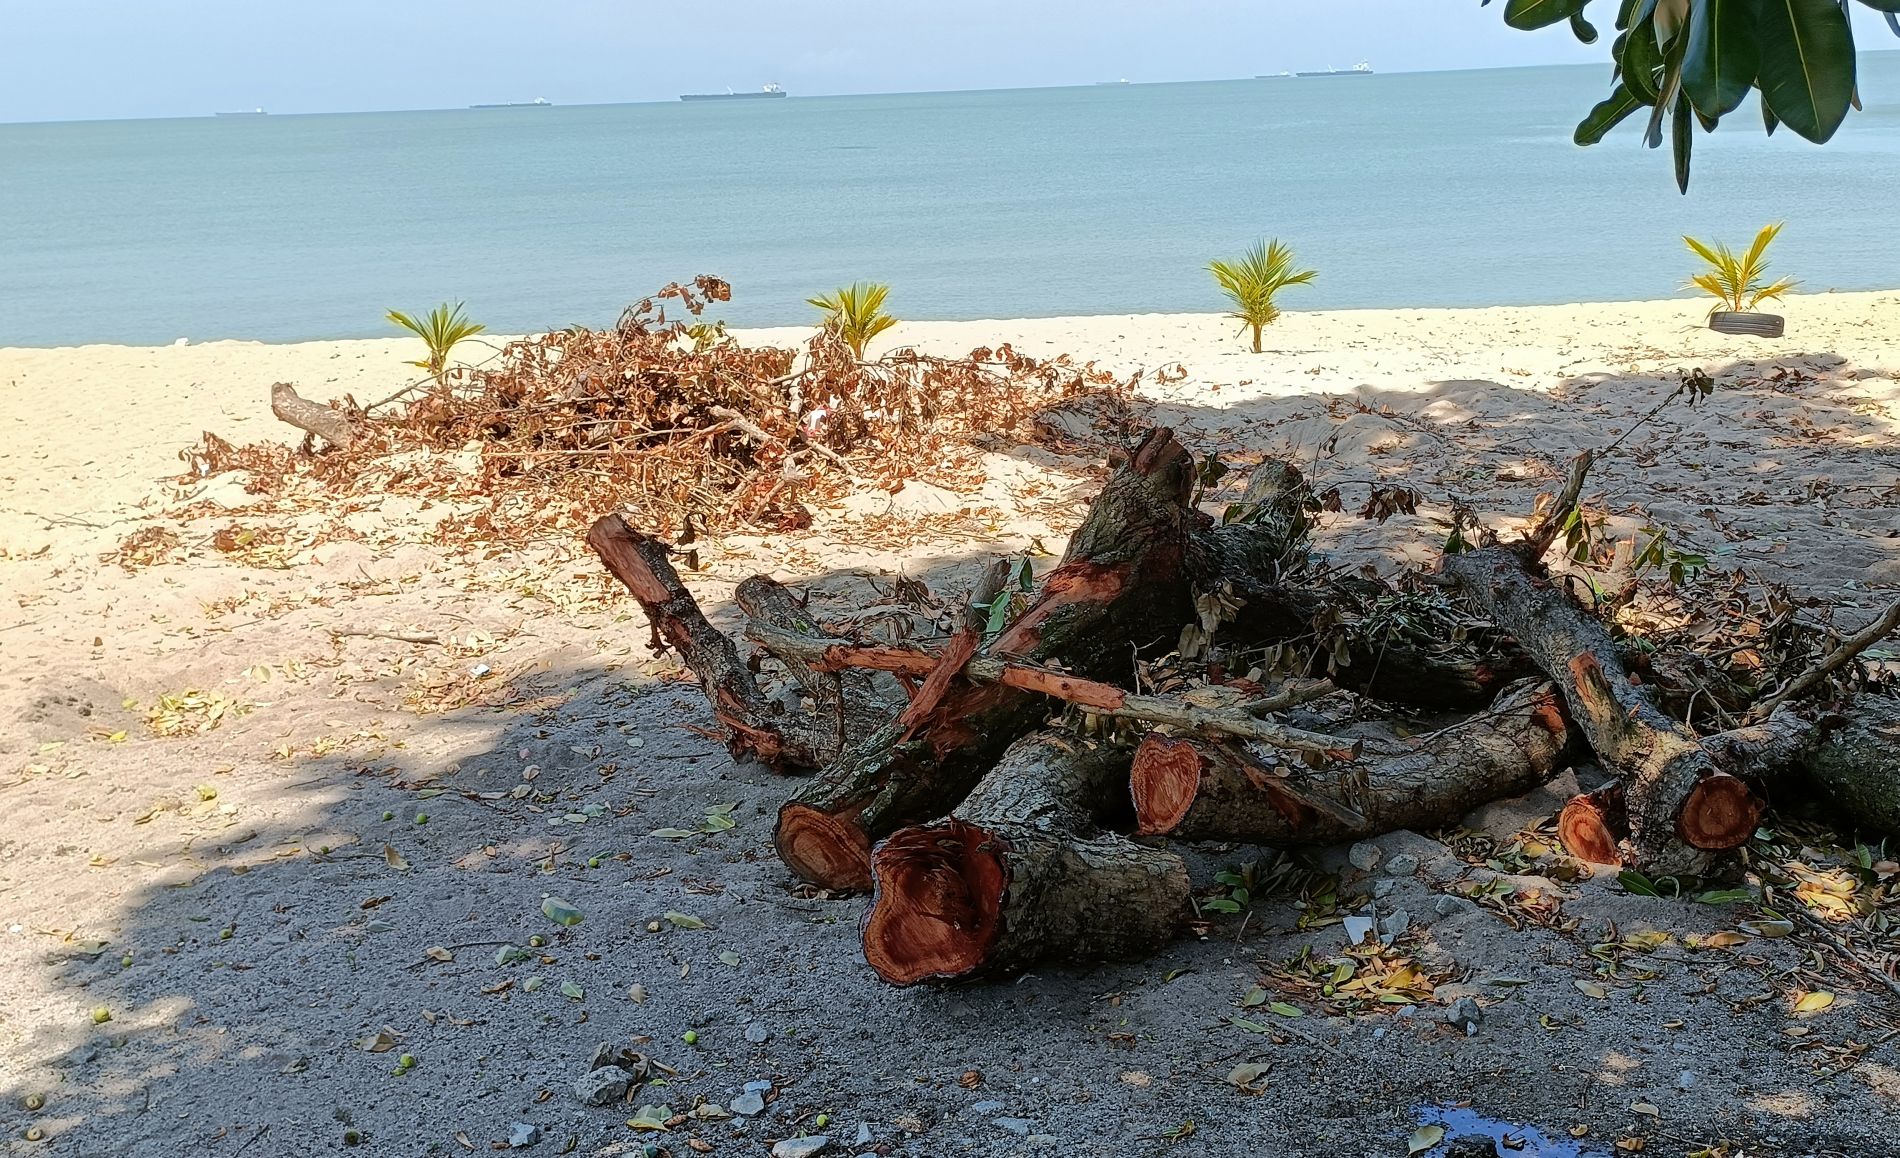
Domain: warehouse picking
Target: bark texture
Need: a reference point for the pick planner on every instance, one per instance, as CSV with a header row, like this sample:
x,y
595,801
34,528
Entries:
x,y
756,728
1857,764
1677,824
1199,789
1019,873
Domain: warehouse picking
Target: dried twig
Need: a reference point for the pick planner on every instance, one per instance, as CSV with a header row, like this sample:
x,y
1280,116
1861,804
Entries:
x,y
1835,660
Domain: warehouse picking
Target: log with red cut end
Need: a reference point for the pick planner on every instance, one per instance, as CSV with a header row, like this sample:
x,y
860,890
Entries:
x,y
1021,872
1202,789
1593,826
1679,824
1125,581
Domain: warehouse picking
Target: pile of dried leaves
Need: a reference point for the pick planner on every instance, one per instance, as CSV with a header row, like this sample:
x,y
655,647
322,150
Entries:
x,y
675,422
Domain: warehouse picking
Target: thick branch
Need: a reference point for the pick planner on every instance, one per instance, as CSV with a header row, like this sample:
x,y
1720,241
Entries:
x,y
325,422
1021,872
1201,790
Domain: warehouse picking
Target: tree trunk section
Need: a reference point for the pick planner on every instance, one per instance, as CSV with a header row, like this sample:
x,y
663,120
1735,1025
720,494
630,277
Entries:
x,y
1200,789
1857,765
1021,872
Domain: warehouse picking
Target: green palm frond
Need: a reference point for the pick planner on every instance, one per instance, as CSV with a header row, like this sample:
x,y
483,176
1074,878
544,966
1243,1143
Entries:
x,y
856,313
441,330
1252,283
1737,282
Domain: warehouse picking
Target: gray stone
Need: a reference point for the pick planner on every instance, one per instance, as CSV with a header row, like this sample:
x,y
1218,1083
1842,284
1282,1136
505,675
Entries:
x,y
378,927
757,1034
602,1086
1356,928
1450,906
1365,856
987,1106
1395,924
523,1134
1013,1125
800,1147
1402,864
1466,1014
748,1104
603,1055
863,1137
1686,1080
1381,889
758,1087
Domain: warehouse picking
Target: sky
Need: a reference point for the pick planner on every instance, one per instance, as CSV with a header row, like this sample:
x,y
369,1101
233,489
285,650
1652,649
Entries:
x,y
94,59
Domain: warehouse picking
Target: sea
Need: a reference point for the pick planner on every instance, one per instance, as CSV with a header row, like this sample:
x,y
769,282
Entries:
x,y
1424,189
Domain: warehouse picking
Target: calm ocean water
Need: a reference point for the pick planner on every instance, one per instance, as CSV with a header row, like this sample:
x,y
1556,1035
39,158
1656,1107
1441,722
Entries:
x,y
1424,189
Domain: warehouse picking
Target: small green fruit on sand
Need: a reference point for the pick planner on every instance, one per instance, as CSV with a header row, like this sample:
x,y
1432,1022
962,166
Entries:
x,y
406,1061
593,862
101,1015
125,962
389,816
537,941
224,934
821,1121
422,818
690,1037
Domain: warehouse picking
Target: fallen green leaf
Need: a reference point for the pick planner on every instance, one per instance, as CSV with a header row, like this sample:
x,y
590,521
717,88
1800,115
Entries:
x,y
561,912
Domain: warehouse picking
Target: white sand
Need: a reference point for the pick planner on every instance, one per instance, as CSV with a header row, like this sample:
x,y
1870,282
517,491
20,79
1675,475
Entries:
x,y
1791,469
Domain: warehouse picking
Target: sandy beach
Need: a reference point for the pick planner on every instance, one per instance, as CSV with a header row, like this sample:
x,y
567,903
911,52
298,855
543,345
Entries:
x,y
215,768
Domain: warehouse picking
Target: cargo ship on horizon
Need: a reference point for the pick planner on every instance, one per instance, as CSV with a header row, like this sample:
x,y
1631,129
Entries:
x,y
764,92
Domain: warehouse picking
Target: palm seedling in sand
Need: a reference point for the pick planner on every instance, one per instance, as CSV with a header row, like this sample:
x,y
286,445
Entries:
x,y
1252,282
441,330
856,313
1739,282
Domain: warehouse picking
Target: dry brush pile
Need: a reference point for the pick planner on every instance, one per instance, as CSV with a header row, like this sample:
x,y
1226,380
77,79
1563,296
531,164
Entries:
x,y
669,416
1008,792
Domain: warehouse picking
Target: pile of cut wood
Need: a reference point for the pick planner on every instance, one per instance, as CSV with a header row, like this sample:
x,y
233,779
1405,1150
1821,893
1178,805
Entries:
x,y
993,831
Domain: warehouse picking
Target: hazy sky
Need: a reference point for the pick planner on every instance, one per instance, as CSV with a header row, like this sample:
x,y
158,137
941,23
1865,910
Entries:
x,y
74,59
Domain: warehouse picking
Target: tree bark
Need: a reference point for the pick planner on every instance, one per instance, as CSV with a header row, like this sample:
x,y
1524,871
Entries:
x,y
1200,789
756,728
1124,583
326,422
1021,872
1857,764
1680,816
845,702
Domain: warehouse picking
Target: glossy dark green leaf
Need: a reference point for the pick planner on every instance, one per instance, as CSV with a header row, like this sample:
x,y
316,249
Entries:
x,y
1640,62
1582,29
1883,5
1768,119
1609,113
1529,14
1807,65
1723,55
1682,130
1670,89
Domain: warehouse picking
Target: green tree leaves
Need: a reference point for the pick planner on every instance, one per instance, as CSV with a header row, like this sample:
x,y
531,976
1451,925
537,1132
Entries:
x,y
1807,64
1695,61
1723,55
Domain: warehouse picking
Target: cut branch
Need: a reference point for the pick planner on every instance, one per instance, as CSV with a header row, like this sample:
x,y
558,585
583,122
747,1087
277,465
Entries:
x,y
1021,872
1661,764
1198,789
1835,660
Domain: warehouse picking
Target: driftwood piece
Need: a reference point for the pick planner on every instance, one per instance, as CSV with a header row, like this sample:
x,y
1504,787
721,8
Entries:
x,y
1682,807
755,727
1201,789
326,422
1021,871
1125,582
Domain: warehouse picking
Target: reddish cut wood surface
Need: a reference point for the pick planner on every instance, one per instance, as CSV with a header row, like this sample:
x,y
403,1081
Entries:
x,y
824,847
1164,780
1720,812
937,903
1588,829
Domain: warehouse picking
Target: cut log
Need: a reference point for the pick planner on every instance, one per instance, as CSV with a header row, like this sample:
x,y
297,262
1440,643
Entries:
x,y
1592,827
1201,789
1021,872
1123,583
755,727
1677,827
326,422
